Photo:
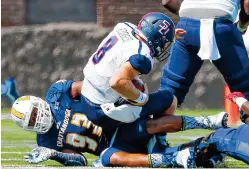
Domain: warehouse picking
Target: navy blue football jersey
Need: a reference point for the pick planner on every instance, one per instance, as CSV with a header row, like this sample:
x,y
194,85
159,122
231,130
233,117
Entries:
x,y
73,128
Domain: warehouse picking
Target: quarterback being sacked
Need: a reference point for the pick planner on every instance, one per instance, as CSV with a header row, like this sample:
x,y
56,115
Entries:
x,y
125,54
65,129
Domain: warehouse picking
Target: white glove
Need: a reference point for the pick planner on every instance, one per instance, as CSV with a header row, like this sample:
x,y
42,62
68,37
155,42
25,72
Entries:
x,y
39,154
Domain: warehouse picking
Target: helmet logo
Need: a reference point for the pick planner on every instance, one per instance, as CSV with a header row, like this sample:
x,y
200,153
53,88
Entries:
x,y
164,27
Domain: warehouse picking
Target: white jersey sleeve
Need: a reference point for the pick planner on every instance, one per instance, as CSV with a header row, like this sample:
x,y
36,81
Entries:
x,y
206,9
116,49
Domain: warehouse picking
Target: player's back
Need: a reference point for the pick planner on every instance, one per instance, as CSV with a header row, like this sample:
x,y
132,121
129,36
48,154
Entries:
x,y
112,53
72,128
205,9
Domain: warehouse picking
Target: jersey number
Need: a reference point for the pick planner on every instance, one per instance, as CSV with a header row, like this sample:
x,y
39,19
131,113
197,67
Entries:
x,y
77,140
105,48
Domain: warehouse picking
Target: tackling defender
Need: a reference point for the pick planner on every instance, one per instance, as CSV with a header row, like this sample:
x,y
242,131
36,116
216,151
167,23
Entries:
x,y
65,129
203,152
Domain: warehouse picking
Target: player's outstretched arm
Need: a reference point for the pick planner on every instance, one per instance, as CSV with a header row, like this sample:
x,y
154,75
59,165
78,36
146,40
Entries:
x,y
172,5
66,157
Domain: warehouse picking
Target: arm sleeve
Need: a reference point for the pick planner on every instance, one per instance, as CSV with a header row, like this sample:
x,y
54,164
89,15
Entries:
x,y
68,159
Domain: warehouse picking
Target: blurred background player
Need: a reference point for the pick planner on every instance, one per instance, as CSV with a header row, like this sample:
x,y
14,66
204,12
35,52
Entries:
x,y
8,90
211,35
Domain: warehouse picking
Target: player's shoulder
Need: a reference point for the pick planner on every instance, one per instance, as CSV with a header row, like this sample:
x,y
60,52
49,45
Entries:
x,y
48,139
57,89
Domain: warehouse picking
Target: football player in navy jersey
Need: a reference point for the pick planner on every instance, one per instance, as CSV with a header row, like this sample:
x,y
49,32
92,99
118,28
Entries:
x,y
65,129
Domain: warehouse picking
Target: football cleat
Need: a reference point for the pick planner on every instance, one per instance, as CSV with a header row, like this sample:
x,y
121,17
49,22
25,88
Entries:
x,y
185,158
217,121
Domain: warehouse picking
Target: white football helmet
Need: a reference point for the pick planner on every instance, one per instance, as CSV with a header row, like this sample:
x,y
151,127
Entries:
x,y
32,114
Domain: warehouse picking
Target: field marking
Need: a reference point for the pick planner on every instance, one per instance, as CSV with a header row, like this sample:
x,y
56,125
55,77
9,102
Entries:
x,y
14,152
24,145
22,159
12,159
5,117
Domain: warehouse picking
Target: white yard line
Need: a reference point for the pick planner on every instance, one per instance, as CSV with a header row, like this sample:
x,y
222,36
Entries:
x,y
5,116
22,159
12,159
14,152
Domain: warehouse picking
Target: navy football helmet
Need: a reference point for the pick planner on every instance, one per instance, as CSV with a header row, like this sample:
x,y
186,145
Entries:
x,y
159,30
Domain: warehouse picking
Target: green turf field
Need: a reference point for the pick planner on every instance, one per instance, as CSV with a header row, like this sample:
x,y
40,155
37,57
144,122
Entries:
x,y
16,142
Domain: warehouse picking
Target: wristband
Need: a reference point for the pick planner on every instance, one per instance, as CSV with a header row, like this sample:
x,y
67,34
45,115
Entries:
x,y
141,98
240,100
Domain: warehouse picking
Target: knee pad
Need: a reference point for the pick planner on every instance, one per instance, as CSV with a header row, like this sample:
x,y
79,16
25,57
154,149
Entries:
x,y
177,85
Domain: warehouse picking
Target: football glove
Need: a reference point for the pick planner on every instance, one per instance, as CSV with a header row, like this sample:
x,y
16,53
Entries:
x,y
39,154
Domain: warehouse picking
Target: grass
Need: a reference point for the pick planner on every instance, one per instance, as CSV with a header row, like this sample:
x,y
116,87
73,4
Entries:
x,y
16,142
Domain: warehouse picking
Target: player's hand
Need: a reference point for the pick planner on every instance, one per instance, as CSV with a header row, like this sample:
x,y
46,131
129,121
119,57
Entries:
x,y
133,102
179,33
146,91
39,154
234,95
241,29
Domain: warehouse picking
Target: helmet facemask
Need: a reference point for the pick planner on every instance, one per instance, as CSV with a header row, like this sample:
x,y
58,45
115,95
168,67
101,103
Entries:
x,y
162,51
39,119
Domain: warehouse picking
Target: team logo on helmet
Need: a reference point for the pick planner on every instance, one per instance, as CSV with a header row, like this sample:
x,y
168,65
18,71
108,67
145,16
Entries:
x,y
164,27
